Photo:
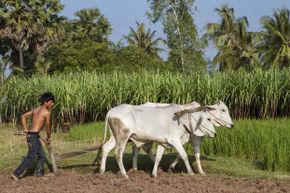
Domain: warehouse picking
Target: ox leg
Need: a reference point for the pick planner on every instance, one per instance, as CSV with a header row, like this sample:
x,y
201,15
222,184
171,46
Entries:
x,y
106,148
174,163
135,150
148,149
159,154
196,141
119,150
179,148
197,158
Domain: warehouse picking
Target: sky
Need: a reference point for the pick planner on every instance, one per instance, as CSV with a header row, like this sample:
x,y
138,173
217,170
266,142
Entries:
x,y
122,14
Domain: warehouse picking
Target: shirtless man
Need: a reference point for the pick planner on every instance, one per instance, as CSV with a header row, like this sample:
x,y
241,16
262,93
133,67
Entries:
x,y
40,116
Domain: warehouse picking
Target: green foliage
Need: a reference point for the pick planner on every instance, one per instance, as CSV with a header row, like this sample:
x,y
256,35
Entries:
x,y
184,46
266,142
79,55
28,25
275,44
236,46
90,24
134,59
144,39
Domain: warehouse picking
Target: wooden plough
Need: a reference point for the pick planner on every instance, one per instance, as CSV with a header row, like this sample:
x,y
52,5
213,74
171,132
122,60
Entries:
x,y
58,157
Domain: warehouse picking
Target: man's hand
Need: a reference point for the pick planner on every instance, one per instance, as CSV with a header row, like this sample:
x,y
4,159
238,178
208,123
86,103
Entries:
x,y
25,132
24,121
48,141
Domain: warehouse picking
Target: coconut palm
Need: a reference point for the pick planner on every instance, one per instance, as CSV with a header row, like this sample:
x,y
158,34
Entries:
x,y
275,44
18,26
144,39
235,45
241,54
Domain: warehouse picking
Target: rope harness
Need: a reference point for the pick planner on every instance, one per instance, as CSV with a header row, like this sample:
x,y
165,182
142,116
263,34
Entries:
x,y
189,113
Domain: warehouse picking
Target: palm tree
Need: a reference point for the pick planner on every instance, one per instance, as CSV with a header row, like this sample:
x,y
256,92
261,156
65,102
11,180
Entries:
x,y
242,53
18,25
275,44
91,24
144,39
235,45
29,25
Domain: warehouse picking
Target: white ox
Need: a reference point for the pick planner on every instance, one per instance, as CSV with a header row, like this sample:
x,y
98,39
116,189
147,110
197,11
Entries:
x,y
220,116
145,124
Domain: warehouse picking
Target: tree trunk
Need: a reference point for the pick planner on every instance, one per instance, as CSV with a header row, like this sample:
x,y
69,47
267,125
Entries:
x,y
179,36
21,60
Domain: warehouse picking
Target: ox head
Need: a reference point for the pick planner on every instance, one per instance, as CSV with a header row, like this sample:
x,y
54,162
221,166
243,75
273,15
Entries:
x,y
220,115
205,125
202,118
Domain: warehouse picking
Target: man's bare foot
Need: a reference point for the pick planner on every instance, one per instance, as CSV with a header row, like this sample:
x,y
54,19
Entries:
x,y
50,175
43,178
14,177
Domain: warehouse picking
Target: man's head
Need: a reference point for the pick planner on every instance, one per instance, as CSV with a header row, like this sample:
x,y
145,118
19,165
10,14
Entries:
x,y
47,99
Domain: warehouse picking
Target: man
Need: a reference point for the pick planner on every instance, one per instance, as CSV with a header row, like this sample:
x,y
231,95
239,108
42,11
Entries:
x,y
40,116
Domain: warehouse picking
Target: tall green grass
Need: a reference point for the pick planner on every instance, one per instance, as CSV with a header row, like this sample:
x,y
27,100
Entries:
x,y
266,142
87,96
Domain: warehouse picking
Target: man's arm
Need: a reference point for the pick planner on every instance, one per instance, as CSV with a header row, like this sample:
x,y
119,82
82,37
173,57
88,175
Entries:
x,y
24,120
48,124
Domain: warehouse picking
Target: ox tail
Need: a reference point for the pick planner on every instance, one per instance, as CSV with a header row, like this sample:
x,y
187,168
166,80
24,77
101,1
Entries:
x,y
98,156
106,128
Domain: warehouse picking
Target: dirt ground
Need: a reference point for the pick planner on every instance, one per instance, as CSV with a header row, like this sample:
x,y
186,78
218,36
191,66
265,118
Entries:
x,y
74,182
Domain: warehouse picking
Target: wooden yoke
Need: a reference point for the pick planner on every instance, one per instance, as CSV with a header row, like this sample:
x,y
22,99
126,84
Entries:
x,y
188,111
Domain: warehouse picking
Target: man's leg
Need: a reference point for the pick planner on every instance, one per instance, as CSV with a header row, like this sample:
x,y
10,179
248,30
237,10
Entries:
x,y
28,160
41,160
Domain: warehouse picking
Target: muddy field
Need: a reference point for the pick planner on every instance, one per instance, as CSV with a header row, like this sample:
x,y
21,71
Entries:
x,y
70,181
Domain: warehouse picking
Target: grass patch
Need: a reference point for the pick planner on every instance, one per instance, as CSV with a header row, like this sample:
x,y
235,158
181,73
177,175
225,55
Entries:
x,y
243,151
266,141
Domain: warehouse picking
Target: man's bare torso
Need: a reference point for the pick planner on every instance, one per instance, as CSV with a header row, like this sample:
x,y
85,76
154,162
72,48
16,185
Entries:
x,y
38,119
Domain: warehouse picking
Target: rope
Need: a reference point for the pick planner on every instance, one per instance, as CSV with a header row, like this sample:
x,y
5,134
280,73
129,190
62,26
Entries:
x,y
70,142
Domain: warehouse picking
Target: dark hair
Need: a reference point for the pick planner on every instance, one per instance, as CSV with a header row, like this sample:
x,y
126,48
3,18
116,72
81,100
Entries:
x,y
45,97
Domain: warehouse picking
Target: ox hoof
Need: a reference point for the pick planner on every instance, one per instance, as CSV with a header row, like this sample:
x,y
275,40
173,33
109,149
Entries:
x,y
202,173
191,173
170,170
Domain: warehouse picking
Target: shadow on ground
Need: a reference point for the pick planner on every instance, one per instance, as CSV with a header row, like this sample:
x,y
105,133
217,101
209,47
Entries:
x,y
144,164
